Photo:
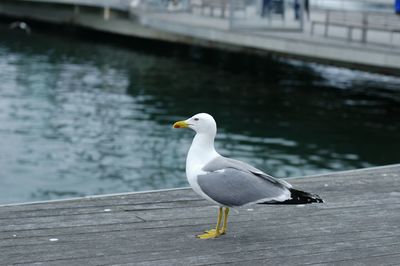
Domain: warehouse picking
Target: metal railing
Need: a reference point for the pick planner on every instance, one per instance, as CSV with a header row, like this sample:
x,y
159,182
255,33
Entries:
x,y
239,14
354,5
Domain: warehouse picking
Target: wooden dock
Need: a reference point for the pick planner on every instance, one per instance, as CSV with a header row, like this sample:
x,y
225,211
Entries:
x,y
358,225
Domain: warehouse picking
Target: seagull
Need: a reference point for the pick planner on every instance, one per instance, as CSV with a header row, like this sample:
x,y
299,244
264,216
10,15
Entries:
x,y
230,183
20,25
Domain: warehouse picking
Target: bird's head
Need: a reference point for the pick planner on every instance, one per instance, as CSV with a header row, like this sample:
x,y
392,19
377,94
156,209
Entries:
x,y
201,123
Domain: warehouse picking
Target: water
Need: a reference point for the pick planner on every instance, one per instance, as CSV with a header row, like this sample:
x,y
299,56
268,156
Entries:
x,y
78,117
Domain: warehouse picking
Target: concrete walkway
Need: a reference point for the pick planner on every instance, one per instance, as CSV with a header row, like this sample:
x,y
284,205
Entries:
x,y
378,52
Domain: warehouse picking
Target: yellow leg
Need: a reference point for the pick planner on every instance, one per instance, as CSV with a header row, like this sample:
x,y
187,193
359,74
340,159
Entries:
x,y
222,230
215,232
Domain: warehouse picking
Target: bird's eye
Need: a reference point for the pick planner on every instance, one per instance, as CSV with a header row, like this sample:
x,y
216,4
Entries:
x,y
196,119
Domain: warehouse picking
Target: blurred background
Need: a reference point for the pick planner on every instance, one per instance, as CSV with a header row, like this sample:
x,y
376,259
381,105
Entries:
x,y
85,112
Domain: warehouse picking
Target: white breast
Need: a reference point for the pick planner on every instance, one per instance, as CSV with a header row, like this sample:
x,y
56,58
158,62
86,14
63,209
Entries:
x,y
197,158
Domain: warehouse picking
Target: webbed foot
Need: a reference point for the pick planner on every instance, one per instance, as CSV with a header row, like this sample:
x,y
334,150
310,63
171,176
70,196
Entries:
x,y
222,231
209,234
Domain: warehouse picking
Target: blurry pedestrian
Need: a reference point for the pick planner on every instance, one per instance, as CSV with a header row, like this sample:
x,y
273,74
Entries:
x,y
296,6
397,7
297,11
265,7
307,8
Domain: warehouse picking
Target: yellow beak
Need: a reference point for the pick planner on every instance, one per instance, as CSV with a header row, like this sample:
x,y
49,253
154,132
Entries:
x,y
180,124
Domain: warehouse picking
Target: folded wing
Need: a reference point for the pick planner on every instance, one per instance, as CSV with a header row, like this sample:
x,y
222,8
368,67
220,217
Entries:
x,y
234,183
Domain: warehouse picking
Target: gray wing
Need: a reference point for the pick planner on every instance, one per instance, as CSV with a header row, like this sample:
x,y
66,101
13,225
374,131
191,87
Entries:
x,y
221,162
232,183
232,187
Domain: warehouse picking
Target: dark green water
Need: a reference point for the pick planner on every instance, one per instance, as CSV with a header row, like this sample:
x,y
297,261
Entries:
x,y
78,117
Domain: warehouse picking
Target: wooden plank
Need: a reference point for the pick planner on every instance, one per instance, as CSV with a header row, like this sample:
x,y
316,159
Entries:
x,y
273,230
110,249
126,199
125,202
358,223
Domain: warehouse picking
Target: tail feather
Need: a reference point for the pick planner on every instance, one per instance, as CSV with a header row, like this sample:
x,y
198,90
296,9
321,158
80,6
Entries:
x,y
298,197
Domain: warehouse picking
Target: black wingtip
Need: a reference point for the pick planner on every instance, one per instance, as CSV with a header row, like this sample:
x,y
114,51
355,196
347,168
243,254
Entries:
x,y
301,197
298,197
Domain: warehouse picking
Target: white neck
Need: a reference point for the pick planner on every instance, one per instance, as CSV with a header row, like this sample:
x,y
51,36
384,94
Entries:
x,y
200,153
202,150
